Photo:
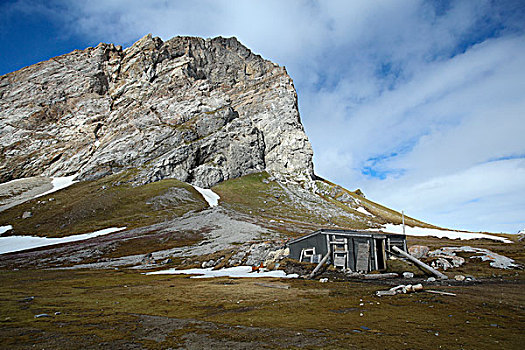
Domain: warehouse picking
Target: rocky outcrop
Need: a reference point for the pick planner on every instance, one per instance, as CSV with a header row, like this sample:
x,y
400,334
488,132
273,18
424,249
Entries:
x,y
201,111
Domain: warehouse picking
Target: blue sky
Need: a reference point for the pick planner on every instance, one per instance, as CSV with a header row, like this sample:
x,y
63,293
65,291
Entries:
x,y
421,104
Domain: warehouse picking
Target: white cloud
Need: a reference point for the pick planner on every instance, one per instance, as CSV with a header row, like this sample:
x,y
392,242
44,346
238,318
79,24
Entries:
x,y
484,197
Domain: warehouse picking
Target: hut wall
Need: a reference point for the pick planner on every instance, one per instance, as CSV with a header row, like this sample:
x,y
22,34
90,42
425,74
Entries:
x,y
318,241
398,241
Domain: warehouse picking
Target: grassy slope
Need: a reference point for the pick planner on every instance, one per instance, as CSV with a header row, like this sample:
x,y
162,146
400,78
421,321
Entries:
x,y
93,205
268,201
386,214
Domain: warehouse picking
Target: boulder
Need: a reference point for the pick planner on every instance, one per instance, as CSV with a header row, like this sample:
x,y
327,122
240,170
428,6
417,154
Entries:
x,y
418,251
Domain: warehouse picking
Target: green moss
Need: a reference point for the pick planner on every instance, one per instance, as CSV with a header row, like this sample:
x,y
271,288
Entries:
x,y
108,307
266,200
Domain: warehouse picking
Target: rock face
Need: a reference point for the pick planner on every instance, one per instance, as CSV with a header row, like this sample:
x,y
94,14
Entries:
x,y
201,111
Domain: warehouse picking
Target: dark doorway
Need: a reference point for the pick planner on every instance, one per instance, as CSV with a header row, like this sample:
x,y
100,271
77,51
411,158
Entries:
x,y
380,254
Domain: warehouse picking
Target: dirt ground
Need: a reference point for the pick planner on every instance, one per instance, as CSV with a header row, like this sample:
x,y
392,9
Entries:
x,y
125,309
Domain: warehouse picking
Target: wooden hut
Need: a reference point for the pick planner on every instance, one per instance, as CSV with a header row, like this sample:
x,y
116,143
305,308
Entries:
x,y
358,251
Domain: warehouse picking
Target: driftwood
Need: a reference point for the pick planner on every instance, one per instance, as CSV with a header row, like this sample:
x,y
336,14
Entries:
x,y
272,285
321,263
419,263
440,292
409,288
377,276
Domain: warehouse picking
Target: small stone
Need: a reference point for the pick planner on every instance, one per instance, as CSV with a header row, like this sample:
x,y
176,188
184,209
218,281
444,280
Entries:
x,y
323,280
26,214
42,315
460,278
408,275
58,313
431,279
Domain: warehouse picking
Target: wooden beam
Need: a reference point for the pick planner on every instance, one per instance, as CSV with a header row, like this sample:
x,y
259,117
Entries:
x,y
321,263
377,276
440,292
419,263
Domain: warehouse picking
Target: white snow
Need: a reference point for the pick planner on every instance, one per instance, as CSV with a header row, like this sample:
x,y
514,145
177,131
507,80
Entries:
x,y
59,183
97,143
211,197
421,231
5,228
16,243
238,271
364,211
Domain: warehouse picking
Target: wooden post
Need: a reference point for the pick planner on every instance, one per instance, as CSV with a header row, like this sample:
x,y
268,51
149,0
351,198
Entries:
x,y
321,263
403,216
419,263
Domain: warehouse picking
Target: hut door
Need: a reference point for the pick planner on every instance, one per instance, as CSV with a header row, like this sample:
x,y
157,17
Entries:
x,y
363,255
380,254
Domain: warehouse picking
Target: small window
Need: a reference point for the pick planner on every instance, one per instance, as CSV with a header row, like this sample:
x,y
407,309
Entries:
x,y
307,254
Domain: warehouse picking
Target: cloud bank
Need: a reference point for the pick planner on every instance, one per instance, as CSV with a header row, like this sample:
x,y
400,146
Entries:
x,y
421,104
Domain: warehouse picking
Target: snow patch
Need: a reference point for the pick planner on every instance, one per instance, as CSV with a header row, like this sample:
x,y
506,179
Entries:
x,y
211,197
421,231
4,229
238,271
59,183
17,243
364,211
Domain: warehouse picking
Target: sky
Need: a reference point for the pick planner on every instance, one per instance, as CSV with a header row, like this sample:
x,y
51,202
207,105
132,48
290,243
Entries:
x,y
420,104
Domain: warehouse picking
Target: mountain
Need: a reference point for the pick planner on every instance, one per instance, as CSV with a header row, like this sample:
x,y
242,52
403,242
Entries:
x,y
201,111
139,128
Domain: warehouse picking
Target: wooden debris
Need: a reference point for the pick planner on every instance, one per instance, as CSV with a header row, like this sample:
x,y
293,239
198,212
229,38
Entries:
x,y
321,263
382,293
401,289
377,276
273,285
440,292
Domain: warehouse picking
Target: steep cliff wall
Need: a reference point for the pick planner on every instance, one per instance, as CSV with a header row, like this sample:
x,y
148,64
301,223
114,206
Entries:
x,y
201,111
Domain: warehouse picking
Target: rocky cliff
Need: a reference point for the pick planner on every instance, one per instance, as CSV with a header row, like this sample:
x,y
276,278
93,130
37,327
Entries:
x,y
201,111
